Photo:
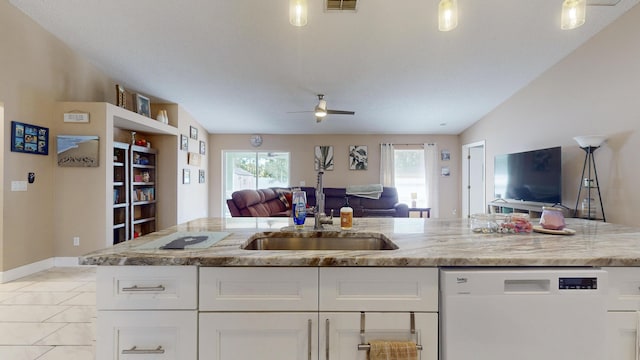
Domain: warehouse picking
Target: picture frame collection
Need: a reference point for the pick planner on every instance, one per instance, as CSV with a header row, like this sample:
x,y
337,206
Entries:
x,y
194,158
30,139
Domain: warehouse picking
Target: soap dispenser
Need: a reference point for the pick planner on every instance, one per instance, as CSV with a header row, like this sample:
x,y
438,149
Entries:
x,y
346,215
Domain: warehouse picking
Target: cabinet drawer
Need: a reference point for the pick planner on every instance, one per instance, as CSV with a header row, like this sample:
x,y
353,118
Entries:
x,y
146,287
258,289
379,289
624,288
159,335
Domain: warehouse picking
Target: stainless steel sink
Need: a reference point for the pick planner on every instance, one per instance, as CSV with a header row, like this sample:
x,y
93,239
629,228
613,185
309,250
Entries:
x,y
318,240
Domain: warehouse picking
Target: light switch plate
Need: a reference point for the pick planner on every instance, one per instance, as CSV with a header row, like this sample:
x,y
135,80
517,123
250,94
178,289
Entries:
x,y
18,186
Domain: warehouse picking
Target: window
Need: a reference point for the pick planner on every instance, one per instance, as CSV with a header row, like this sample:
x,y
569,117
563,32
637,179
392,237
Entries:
x,y
253,170
409,168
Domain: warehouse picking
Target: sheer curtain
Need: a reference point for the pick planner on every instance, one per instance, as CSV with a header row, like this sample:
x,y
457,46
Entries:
x,y
432,177
387,167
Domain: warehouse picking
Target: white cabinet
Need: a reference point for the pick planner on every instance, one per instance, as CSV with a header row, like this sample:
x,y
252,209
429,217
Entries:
x,y
264,336
340,333
283,313
622,335
161,335
378,289
263,289
146,287
147,312
623,315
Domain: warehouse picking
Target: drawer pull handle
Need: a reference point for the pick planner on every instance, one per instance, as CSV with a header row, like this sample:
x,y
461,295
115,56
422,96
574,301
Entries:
x,y
135,351
135,288
309,338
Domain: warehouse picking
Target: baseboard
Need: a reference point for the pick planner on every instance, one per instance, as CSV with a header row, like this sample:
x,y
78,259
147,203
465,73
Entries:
x,y
35,267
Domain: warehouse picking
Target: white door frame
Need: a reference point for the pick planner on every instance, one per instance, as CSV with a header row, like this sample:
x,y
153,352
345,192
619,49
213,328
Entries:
x,y
466,190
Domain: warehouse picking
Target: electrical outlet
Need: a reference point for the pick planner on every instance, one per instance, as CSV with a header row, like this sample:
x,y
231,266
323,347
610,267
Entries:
x,y
76,241
303,183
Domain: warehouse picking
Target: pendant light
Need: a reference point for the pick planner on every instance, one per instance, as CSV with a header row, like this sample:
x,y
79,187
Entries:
x,y
447,15
573,14
298,12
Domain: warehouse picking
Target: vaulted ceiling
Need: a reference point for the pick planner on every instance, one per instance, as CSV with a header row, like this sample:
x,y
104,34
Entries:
x,y
240,67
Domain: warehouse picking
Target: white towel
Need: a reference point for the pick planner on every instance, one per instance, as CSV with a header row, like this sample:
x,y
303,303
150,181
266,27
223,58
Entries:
x,y
372,191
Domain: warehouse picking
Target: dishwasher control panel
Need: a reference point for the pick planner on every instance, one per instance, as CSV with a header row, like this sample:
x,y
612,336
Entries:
x,y
577,283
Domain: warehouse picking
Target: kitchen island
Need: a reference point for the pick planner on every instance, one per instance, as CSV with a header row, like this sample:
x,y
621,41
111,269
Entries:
x,y
223,302
421,242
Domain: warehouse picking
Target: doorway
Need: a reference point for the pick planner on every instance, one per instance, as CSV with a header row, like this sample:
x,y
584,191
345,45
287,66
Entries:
x,y
473,179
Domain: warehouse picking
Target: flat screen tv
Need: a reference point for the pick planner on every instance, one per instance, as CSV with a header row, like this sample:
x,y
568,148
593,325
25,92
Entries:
x,y
534,176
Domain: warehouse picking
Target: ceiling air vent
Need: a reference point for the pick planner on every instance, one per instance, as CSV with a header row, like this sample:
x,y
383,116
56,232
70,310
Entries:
x,y
341,5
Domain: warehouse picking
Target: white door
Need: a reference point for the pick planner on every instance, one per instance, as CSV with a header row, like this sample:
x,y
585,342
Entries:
x,y
622,335
343,333
264,336
473,179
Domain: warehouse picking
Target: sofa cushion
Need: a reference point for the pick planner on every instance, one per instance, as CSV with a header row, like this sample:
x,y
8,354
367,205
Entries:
x,y
245,198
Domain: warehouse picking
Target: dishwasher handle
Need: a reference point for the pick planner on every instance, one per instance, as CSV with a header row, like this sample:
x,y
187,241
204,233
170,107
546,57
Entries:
x,y
527,286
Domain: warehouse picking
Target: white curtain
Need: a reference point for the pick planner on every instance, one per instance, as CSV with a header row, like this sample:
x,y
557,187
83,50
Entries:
x,y
432,177
387,167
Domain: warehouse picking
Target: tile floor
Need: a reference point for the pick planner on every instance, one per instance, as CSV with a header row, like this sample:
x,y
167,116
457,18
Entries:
x,y
49,315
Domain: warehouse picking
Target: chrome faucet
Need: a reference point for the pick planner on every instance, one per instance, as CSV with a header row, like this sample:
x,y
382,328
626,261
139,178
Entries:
x,y
319,215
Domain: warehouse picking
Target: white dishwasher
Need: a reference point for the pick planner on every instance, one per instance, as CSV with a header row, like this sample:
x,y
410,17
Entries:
x,y
523,314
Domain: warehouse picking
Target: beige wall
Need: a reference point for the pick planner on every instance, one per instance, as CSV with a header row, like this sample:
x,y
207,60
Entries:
x,y
36,71
301,148
193,198
594,91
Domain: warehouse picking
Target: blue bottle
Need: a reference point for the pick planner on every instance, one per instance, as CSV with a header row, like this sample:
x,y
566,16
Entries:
x,y
299,208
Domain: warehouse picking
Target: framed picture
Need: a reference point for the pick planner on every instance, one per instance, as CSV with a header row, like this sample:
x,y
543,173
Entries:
x,y
358,158
193,159
186,176
142,105
193,132
121,96
445,171
323,157
203,148
78,150
201,176
184,142
445,155
29,139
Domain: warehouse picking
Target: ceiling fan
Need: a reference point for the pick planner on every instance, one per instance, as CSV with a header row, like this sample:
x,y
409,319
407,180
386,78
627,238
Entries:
x,y
321,110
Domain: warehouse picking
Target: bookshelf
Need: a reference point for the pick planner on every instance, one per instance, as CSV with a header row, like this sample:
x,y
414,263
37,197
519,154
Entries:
x,y
143,172
120,192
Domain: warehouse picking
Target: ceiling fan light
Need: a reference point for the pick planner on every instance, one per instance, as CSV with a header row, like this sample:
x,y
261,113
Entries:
x,y
298,12
321,109
573,14
447,15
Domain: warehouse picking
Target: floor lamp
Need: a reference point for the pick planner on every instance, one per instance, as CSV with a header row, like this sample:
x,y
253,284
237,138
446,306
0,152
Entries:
x,y
589,144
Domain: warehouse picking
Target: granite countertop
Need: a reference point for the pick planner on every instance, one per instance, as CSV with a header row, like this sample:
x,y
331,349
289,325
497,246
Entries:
x,y
421,242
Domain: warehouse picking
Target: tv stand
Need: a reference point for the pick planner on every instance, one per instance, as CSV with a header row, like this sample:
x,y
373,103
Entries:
x,y
505,207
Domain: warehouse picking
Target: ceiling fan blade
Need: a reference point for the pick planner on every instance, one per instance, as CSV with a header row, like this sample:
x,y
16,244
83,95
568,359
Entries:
x,y
298,112
340,112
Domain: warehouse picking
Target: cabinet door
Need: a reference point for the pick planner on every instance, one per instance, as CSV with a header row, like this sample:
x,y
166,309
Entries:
x,y
343,333
622,335
624,288
378,289
264,336
159,335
